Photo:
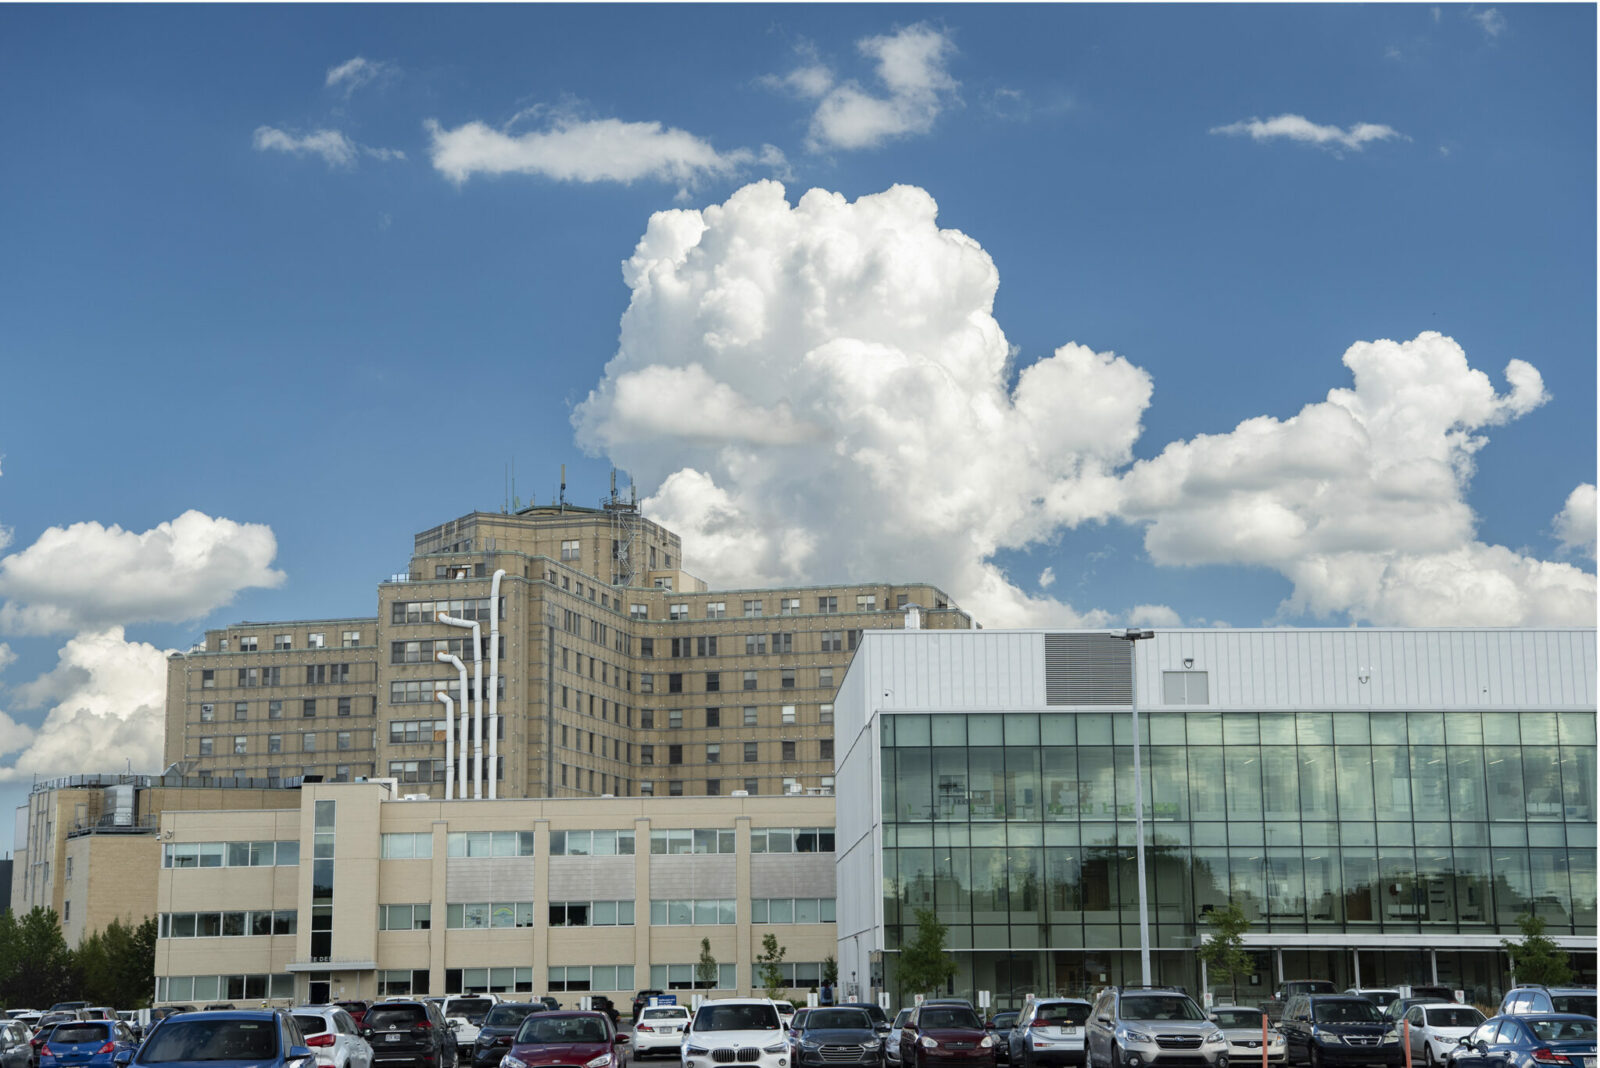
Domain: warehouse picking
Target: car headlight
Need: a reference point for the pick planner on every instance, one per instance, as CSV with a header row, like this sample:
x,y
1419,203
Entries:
x,y
508,1061
694,1051
806,1043
1216,1038
1137,1036
927,1040
781,1047
986,1042
599,1062
1389,1038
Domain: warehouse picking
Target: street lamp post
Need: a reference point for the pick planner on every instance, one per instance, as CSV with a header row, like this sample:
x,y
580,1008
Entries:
x,y
1133,637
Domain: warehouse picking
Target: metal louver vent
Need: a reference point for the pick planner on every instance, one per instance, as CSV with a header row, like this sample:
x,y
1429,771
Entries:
x,y
1087,669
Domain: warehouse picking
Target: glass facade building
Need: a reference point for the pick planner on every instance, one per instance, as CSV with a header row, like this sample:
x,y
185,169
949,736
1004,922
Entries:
x,y
1403,842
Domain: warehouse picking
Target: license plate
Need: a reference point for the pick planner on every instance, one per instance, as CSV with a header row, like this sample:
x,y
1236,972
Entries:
x,y
393,1038
1069,1029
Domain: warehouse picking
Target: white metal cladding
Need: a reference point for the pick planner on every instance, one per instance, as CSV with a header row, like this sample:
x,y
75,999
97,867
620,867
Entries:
x,y
1087,669
792,875
967,669
707,875
591,878
488,878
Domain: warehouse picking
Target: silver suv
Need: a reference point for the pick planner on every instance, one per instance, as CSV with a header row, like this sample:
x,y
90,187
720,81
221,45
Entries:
x,y
1139,1026
1531,997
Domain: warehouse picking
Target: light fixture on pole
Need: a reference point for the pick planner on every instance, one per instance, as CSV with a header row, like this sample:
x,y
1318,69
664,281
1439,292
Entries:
x,y
1133,637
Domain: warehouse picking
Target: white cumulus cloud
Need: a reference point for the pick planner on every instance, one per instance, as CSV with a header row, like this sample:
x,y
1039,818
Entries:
x,y
1575,523
334,148
1490,20
854,418
573,149
911,65
1300,128
357,71
105,701
88,576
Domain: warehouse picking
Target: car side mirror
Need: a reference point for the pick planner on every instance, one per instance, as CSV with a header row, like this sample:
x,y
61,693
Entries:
x,y
622,1040
300,1055
122,1057
1103,1019
365,1032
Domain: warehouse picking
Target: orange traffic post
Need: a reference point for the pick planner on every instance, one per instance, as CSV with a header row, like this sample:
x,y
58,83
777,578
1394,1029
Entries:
x,y
1405,1038
1264,1023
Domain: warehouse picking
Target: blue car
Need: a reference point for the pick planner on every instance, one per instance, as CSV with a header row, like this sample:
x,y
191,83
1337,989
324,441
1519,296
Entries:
x,y
260,1038
85,1044
1542,1040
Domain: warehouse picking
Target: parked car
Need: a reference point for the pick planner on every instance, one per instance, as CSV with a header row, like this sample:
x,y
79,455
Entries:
x,y
333,1036
498,1030
945,1034
785,1010
1243,1027
891,1041
68,1006
357,1009
1048,1031
1435,991
1293,987
1378,995
86,1044
601,1003
880,1019
659,1029
409,1034
99,1012
1337,1029
1530,1041
550,1004
746,1030
15,1052
1393,1011
793,1024
1000,1025
642,998
1139,1026
567,1038
1525,999
263,1038
1434,1031
837,1036
465,1012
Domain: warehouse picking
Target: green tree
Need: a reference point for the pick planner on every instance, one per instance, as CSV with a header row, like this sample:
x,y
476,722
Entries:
x,y
925,963
830,971
769,965
705,973
1537,959
1223,949
116,965
35,964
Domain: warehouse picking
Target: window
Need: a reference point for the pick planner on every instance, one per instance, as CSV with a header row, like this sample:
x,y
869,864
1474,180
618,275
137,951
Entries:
x,y
825,678
713,787
675,682
409,845
713,717
316,674
713,681
749,680
783,643
825,749
866,602
208,679
647,789
308,742
308,708
490,844
569,550
647,647
833,641
750,752
241,710
647,682
591,913
705,645
792,910
274,743
240,747
675,788
787,715
713,753
827,605
1185,688
206,746
678,611
281,642
272,676
247,643
692,913
752,608
749,716
675,718
674,754
647,719
417,770
345,705
315,640
274,709
750,786
716,609
680,841
350,639
342,740
208,713
249,677
481,915
587,977
852,638
591,843
404,917
638,611
229,854
786,678
788,750
824,713
791,840
647,754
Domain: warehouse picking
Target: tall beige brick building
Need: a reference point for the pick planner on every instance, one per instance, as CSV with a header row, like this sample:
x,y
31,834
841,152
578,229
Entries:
x,y
615,671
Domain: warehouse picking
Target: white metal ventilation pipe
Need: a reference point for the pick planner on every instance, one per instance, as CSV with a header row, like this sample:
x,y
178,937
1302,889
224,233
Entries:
x,y
494,679
461,672
477,699
449,743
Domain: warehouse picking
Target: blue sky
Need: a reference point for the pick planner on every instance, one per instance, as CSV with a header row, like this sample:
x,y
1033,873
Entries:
x,y
320,273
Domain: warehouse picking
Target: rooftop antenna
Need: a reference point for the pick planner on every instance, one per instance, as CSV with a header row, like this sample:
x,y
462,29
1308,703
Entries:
x,y
516,502
563,487
505,489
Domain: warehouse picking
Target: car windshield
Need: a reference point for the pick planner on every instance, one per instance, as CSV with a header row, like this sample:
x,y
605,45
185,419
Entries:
x,y
1581,1004
1346,1010
507,1015
1381,998
390,1017
838,1020
310,1025
736,1018
90,1032
1549,1030
1057,1015
1230,1018
1160,1007
1453,1016
668,1013
901,1017
472,1008
211,1040
1004,1020
563,1030
950,1017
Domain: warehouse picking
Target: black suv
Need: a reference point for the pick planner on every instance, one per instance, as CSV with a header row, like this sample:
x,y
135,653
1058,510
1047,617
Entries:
x,y
642,998
409,1034
498,1029
1337,1029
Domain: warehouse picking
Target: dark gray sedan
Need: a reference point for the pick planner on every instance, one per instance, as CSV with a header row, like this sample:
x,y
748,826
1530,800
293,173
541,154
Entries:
x,y
837,1037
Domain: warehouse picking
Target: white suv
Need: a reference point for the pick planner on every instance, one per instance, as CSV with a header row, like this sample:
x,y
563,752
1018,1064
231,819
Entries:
x,y
742,1032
